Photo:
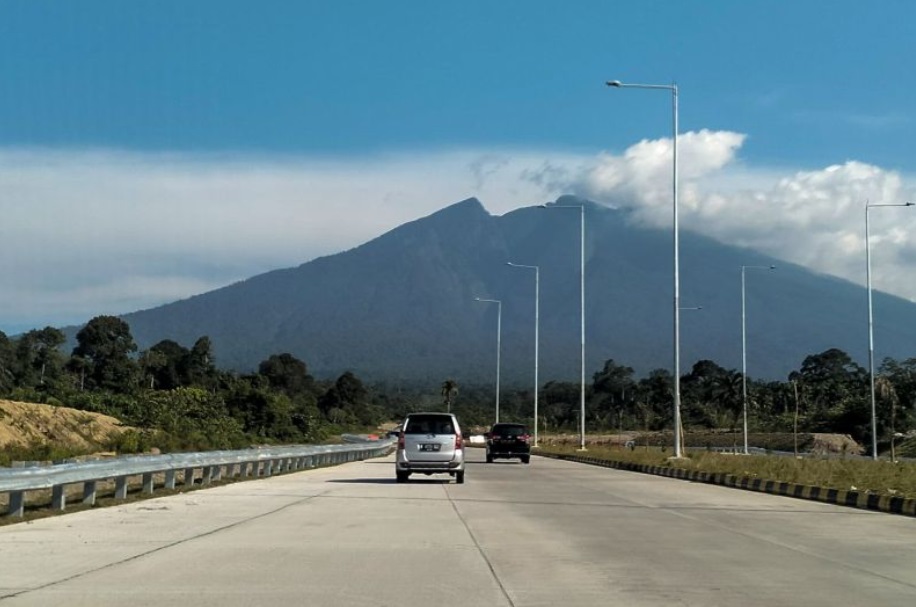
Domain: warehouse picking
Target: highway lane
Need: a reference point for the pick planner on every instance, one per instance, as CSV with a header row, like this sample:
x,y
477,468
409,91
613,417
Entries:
x,y
551,533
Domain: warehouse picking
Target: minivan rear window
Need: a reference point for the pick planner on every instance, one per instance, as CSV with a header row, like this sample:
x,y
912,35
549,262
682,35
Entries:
x,y
429,424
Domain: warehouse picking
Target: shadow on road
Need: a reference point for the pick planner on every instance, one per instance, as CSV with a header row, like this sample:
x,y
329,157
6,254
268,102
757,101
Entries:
x,y
391,481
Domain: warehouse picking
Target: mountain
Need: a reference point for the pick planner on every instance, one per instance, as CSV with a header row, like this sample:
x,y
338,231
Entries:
x,y
401,307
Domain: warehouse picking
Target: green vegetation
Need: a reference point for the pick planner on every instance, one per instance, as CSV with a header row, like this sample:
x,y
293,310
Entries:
x,y
881,477
178,399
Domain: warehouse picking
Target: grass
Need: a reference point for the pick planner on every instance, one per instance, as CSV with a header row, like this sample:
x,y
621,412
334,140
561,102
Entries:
x,y
879,477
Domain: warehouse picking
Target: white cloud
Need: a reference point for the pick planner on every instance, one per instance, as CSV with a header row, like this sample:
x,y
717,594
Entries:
x,y
813,218
91,232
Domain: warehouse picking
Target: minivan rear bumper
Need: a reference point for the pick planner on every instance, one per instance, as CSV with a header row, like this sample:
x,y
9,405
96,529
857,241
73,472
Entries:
x,y
405,465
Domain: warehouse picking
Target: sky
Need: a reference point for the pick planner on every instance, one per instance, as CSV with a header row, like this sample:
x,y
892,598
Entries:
x,y
154,150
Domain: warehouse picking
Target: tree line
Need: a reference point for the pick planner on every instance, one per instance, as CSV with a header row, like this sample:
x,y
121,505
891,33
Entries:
x,y
176,396
829,393
180,399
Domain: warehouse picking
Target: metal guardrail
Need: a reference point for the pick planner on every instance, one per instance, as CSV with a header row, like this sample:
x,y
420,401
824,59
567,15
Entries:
x,y
268,461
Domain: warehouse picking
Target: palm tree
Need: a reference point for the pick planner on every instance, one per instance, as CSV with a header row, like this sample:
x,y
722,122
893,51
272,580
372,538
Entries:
x,y
449,389
726,394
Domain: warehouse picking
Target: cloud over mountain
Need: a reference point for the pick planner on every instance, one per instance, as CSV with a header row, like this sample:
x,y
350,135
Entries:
x,y
107,231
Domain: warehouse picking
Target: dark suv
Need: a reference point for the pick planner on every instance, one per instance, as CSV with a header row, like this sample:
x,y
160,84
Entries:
x,y
508,440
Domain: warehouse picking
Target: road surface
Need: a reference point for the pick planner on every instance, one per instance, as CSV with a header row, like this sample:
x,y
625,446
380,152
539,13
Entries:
x,y
552,533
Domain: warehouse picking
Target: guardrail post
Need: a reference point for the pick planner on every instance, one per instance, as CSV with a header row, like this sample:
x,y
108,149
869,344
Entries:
x,y
147,482
17,503
217,473
121,488
268,467
170,479
246,469
206,475
58,497
188,477
89,493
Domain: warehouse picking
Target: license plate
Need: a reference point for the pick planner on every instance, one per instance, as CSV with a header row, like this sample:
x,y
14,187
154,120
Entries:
x,y
429,447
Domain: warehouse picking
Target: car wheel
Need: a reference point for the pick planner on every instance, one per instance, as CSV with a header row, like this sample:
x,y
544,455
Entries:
x,y
402,477
459,477
525,459
489,458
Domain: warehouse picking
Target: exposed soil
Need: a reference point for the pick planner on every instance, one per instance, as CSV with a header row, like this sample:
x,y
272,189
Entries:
x,y
30,424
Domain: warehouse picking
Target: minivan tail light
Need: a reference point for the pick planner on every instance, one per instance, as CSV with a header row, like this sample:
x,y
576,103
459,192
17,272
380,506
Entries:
x,y
401,441
459,444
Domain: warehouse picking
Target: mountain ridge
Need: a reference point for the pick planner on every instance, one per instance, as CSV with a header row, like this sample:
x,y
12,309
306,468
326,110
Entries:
x,y
401,306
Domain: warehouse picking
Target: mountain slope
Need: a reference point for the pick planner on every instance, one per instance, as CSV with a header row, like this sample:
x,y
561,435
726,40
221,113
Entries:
x,y
401,307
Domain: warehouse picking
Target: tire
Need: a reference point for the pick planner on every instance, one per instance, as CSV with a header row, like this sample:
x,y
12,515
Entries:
x,y
525,459
459,477
402,477
489,458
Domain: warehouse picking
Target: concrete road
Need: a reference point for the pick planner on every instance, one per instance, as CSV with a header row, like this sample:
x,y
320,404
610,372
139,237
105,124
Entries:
x,y
551,533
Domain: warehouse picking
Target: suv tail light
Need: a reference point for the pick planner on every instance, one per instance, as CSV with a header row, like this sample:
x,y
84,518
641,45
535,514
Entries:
x,y
401,441
525,438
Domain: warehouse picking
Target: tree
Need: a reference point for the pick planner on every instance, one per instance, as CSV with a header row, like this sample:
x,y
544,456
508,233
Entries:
x,y
199,364
169,361
656,393
837,392
106,344
449,388
151,364
7,363
288,374
346,402
698,403
613,391
728,396
38,356
885,392
560,404
902,375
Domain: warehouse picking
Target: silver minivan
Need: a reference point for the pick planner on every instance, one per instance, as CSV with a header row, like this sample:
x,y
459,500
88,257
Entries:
x,y
430,443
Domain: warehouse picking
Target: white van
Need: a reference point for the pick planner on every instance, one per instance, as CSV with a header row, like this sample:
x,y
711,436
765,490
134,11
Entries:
x,y
430,443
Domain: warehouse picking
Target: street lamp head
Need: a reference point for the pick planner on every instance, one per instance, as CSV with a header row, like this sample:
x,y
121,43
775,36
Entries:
x,y
614,83
772,267
909,204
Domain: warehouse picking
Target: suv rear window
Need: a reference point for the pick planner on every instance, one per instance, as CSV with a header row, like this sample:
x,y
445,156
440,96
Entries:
x,y
509,430
429,424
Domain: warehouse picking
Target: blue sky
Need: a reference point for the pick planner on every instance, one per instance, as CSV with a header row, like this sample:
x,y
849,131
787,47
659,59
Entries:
x,y
141,143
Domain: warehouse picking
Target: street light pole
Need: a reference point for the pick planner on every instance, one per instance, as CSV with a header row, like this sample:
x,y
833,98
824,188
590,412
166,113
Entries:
x,y
581,208
744,347
537,297
677,295
871,336
499,332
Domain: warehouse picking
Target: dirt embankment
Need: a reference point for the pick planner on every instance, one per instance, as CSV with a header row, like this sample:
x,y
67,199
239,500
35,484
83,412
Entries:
x,y
30,424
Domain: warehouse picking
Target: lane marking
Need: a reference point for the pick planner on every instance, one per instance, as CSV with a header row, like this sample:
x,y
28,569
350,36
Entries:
x,y
480,550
